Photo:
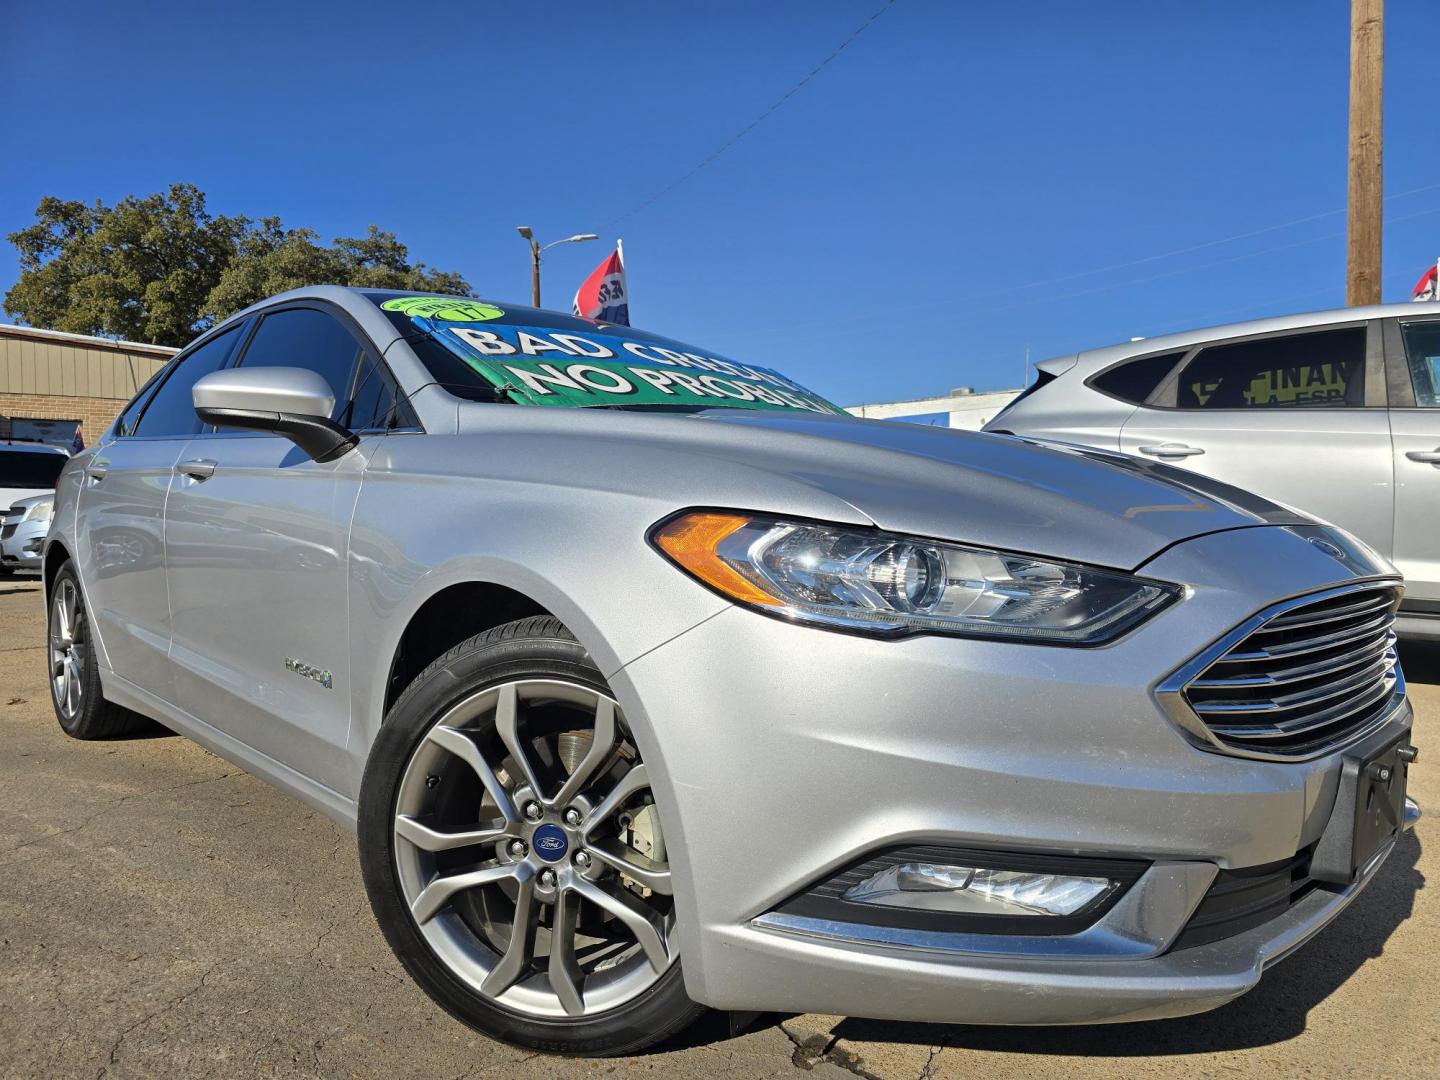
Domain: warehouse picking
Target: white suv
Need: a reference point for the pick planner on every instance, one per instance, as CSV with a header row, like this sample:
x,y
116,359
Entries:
x,y
1336,413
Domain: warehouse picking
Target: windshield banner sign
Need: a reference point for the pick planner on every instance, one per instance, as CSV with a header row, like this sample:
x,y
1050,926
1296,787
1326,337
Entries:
x,y
543,366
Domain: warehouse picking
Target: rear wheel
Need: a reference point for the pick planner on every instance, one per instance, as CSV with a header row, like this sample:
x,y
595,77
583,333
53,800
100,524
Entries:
x,y
80,705
512,851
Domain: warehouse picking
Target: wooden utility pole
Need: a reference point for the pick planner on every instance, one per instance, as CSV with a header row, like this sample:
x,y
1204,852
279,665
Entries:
x,y
1366,191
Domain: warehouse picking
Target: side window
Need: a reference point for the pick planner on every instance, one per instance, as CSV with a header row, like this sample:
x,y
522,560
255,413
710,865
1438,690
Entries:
x,y
125,422
1422,351
171,410
307,338
450,371
1136,381
378,403
1320,370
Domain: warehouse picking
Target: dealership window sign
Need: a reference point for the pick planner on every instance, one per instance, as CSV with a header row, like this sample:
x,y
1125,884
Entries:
x,y
543,366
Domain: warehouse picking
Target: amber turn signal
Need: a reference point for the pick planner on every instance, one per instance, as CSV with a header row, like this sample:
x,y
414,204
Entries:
x,y
690,541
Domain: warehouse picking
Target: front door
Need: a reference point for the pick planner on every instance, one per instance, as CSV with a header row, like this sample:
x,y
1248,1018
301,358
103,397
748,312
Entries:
x,y
1415,425
256,546
1298,418
255,542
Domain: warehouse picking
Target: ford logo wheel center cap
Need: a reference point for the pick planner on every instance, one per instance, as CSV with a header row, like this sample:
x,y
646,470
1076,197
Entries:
x,y
550,843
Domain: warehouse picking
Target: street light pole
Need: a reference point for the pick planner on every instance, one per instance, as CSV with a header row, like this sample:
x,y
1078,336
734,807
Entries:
x,y
535,250
534,274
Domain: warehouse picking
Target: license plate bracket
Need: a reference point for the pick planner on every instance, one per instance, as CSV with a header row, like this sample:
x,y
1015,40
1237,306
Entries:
x,y
1369,809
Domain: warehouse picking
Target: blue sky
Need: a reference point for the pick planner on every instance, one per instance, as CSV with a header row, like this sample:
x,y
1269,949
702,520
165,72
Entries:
x,y
961,182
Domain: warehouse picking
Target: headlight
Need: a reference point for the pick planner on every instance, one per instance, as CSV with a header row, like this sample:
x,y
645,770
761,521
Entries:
x,y
863,579
41,511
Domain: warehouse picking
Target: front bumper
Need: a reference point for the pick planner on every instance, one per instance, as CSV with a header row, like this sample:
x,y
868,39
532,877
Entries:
x,y
782,753
924,984
21,542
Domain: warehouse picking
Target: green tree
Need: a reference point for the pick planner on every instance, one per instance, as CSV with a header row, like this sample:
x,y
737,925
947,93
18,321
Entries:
x,y
378,260
270,259
140,269
161,268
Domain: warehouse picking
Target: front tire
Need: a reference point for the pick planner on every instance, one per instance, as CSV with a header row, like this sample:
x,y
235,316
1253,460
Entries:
x,y
512,852
75,690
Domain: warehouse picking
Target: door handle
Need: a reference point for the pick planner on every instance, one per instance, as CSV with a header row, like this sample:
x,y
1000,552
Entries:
x,y
198,469
1431,457
96,469
1170,450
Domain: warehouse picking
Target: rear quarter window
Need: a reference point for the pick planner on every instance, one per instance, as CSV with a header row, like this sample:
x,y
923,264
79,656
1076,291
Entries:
x,y
1135,380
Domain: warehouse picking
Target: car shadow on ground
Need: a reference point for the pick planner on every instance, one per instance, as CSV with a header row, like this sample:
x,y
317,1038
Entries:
x,y
1420,661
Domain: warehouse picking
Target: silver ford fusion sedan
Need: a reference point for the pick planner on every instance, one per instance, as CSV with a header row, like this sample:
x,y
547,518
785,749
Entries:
x,y
651,682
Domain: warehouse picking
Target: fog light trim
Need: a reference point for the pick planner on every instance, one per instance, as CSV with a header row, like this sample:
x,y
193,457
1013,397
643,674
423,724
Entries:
x,y
970,890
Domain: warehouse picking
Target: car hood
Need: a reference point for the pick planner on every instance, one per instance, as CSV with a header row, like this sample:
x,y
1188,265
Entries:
x,y
997,491
25,497
1003,491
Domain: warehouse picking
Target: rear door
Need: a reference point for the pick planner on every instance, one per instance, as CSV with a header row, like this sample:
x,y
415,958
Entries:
x,y
1413,353
120,528
1298,417
256,538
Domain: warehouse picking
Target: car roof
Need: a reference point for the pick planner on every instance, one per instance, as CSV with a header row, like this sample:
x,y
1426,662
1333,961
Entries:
x,y
35,447
363,305
1092,359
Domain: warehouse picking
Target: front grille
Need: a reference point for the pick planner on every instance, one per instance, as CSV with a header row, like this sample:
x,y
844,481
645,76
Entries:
x,y
1239,900
7,531
1308,677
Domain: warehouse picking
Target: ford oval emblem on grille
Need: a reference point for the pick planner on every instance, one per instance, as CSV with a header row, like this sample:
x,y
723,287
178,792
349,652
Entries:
x,y
1333,550
550,843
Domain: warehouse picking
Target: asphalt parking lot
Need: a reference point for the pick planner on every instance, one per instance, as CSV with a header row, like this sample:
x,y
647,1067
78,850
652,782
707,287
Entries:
x,y
164,914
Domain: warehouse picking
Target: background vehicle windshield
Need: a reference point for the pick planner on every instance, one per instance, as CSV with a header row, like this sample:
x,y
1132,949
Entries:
x,y
482,351
29,469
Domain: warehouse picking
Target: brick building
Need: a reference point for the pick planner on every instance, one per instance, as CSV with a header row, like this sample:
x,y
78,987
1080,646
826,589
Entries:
x,y
48,375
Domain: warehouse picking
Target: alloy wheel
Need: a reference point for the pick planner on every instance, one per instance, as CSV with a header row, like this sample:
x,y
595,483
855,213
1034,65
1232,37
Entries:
x,y
529,851
69,649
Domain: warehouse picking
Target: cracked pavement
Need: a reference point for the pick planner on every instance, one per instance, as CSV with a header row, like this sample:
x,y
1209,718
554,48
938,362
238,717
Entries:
x,y
164,914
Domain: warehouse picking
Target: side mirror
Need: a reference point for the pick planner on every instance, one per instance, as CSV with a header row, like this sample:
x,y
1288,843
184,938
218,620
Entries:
x,y
294,402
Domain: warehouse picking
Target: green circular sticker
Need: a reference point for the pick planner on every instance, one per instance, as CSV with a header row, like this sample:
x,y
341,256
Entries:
x,y
445,308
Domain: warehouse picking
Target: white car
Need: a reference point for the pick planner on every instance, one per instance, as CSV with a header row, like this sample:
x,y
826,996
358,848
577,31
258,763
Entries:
x,y
28,468
28,472
22,533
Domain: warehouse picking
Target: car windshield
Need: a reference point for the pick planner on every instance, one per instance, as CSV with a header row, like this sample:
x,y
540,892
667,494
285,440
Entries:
x,y
485,352
29,468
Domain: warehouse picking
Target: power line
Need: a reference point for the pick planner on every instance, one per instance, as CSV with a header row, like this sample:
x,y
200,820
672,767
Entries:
x,y
1047,283
1216,243
950,316
1196,321
753,124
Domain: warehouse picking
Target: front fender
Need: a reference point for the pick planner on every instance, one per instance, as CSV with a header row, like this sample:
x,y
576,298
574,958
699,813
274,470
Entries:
x,y
586,564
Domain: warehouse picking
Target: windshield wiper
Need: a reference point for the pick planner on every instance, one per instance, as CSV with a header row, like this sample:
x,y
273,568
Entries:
x,y
655,406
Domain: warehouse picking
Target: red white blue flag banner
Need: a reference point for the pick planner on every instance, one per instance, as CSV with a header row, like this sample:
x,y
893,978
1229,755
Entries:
x,y
602,296
1428,287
